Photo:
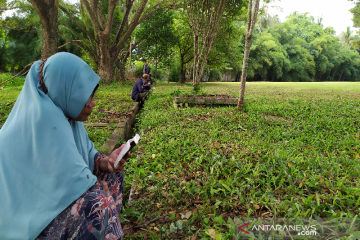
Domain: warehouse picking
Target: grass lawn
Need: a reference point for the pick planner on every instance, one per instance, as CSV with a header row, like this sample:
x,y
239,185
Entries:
x,y
293,152
112,103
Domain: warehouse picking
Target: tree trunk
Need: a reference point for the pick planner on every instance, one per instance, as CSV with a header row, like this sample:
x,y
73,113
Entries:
x,y
156,61
333,76
106,60
237,77
2,52
208,75
341,75
106,67
48,13
120,71
251,23
130,50
182,72
50,36
205,24
327,78
320,77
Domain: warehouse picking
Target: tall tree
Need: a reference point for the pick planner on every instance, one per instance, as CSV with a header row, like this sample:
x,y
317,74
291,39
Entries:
x,y
103,42
185,41
205,17
158,35
251,23
265,18
48,13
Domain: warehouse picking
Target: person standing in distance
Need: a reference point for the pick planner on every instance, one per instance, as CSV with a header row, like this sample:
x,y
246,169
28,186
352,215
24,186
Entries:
x,y
146,68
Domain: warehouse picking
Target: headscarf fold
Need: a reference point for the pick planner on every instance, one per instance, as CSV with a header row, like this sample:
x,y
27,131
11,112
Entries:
x,y
46,162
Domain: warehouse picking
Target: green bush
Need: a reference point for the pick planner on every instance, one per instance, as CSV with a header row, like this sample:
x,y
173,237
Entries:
x,y
215,75
139,69
174,75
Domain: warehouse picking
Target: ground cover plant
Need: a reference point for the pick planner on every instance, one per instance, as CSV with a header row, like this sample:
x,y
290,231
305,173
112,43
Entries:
x,y
8,94
293,152
112,104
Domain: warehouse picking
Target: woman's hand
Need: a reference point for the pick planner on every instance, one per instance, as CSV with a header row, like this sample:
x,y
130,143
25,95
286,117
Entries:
x,y
106,187
113,157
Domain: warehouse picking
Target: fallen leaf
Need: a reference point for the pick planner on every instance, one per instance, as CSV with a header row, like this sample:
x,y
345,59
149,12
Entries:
x,y
165,179
197,198
156,229
194,237
158,205
257,206
1,88
183,187
158,175
163,188
301,184
166,194
188,215
212,233
321,180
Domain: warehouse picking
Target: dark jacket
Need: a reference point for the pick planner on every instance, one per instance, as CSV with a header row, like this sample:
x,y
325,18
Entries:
x,y
146,69
137,89
148,87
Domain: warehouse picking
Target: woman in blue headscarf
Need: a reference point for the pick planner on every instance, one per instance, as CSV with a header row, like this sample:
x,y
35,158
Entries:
x,y
53,183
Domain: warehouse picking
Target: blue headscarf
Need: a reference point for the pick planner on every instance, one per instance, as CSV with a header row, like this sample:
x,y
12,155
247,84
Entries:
x,y
46,162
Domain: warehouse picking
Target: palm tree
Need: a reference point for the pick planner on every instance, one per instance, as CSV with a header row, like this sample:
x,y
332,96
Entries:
x,y
265,18
347,37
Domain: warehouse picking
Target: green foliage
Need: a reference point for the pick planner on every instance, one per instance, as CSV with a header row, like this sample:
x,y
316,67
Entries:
x,y
10,91
184,42
20,39
356,14
174,75
139,68
301,50
215,75
157,36
295,152
227,50
16,82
